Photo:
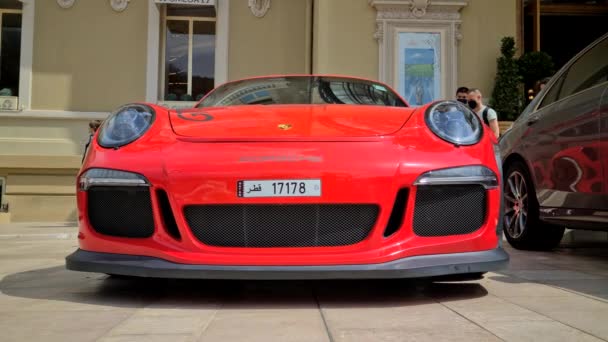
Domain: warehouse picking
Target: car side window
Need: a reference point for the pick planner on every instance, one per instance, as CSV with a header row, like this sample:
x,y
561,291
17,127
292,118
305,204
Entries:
x,y
553,92
589,70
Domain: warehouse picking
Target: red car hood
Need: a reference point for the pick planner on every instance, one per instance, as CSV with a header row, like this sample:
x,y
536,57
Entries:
x,y
289,121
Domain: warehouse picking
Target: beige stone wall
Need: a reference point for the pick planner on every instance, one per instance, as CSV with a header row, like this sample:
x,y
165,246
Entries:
x,y
343,38
275,44
25,136
39,158
280,42
39,189
484,24
42,196
88,57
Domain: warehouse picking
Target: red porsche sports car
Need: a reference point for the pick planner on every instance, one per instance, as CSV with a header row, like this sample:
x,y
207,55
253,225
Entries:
x,y
292,177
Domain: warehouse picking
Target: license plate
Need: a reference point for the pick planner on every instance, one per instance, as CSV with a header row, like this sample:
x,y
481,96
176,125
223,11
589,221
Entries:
x,y
279,188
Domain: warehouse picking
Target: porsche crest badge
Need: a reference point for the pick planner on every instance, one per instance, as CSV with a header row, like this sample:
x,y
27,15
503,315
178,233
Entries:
x,y
285,127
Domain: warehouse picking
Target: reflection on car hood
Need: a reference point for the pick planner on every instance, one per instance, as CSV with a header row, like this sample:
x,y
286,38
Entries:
x,y
289,121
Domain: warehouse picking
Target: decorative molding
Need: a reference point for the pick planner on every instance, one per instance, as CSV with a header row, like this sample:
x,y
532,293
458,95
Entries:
x,y
458,33
259,8
397,16
435,14
379,34
119,5
65,3
419,7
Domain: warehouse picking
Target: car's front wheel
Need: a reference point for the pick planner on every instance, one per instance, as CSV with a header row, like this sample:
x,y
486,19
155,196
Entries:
x,y
522,226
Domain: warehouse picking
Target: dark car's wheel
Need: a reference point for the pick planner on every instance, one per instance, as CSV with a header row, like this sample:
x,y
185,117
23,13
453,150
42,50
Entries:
x,y
522,226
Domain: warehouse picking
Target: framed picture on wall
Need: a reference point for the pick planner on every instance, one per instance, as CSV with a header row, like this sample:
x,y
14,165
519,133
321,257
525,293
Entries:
x,y
419,66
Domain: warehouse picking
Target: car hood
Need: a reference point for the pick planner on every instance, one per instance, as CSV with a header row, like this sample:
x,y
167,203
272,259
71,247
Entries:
x,y
289,121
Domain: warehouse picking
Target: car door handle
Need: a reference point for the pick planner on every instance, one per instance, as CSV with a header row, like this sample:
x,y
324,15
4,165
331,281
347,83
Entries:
x,y
533,120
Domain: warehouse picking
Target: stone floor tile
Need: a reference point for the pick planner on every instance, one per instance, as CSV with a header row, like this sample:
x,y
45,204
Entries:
x,y
18,265
177,312
540,275
493,309
535,331
9,304
147,338
466,334
506,286
592,322
58,326
298,324
165,324
413,321
585,286
571,302
583,313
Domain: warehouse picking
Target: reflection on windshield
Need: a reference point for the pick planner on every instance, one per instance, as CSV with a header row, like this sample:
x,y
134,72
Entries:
x,y
302,90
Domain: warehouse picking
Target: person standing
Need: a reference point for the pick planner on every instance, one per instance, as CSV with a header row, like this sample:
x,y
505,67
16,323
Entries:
x,y
462,95
487,114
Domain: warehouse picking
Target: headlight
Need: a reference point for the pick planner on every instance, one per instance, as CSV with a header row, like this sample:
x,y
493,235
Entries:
x,y
453,122
125,125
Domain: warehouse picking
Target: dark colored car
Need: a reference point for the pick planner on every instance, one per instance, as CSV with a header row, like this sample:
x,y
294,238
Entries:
x,y
555,156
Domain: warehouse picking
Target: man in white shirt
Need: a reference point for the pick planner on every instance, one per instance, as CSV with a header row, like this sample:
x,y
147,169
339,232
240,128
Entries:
x,y
487,114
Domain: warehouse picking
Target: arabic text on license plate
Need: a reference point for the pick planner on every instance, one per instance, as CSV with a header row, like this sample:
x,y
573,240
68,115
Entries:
x,y
280,188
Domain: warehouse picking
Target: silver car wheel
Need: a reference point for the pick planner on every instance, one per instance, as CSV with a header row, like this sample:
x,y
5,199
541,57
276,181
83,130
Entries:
x,y
516,205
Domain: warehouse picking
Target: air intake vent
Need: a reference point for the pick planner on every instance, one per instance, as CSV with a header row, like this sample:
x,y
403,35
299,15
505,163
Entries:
x,y
443,210
396,219
281,225
167,214
121,211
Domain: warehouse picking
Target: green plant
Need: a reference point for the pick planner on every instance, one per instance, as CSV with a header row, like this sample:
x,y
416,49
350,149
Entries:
x,y
506,95
534,66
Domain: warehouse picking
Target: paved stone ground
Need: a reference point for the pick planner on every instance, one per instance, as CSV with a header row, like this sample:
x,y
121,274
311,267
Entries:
x,y
558,296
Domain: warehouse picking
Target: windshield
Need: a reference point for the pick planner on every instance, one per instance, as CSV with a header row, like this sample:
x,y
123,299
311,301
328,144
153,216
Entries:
x,y
302,90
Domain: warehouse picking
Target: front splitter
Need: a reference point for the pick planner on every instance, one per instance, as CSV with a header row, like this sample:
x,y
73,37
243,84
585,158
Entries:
x,y
411,267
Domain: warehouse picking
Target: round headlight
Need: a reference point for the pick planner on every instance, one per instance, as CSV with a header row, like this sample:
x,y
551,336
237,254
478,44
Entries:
x,y
125,125
454,123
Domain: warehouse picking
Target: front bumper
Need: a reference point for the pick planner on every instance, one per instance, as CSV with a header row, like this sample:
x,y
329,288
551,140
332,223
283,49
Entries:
x,y
413,220
411,267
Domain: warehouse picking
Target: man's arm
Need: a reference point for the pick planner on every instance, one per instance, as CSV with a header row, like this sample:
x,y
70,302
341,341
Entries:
x,y
495,128
493,121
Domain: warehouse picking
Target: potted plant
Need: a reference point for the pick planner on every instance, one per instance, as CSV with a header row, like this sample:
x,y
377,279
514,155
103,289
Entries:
x,y
506,96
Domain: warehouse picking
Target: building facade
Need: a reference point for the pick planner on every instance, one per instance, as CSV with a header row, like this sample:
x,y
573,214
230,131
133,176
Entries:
x,y
66,62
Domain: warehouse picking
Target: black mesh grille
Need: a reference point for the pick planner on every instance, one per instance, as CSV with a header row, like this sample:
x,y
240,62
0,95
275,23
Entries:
x,y
281,225
449,209
121,211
